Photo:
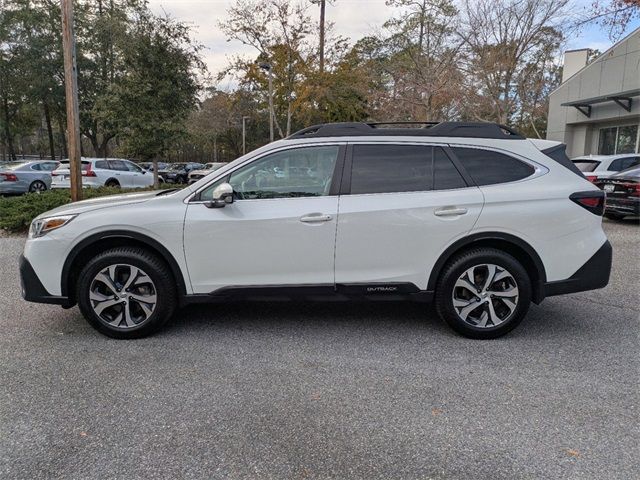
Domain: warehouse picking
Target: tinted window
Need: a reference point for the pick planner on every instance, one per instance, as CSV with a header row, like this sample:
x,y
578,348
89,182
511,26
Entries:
x,y
391,168
103,164
49,166
133,167
586,166
622,164
118,165
488,168
299,172
36,166
445,174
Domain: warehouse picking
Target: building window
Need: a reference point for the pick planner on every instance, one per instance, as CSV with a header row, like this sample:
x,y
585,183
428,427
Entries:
x,y
616,140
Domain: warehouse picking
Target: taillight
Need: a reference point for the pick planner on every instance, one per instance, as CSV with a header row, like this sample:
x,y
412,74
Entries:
x,y
88,172
591,178
591,200
9,177
633,189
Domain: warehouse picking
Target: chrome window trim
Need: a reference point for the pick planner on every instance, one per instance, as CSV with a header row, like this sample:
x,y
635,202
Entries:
x,y
189,198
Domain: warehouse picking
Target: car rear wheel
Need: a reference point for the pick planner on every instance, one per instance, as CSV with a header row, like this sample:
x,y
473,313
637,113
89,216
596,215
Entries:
x,y
483,293
37,186
126,293
112,183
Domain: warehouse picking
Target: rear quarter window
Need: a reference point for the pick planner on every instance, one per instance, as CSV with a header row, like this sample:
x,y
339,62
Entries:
x,y
487,167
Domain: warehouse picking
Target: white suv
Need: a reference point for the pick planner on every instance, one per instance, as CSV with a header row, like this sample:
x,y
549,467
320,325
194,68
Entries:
x,y
472,216
597,167
104,172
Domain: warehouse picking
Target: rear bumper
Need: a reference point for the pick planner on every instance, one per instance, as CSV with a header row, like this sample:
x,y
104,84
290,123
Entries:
x,y
32,288
626,206
592,275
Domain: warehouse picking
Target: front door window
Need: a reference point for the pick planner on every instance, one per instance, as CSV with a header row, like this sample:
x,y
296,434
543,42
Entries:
x,y
297,172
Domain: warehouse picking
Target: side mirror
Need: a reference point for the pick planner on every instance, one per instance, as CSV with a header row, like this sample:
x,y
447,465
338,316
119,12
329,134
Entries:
x,y
222,195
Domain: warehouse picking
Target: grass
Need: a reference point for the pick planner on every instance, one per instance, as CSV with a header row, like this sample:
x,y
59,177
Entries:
x,y
16,213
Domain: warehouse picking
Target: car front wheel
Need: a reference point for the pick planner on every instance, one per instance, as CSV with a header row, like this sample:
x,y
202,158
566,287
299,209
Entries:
x,y
483,293
126,292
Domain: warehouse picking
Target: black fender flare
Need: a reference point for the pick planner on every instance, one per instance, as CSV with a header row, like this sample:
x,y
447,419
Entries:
x,y
121,234
469,241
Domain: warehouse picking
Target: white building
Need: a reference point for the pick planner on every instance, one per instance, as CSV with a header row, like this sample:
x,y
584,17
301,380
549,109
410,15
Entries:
x,y
596,109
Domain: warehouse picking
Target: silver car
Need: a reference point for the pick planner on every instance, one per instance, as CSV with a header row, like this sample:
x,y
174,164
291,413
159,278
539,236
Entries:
x,y
23,177
196,175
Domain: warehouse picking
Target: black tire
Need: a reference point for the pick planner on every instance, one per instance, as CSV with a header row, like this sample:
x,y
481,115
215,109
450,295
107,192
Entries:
x,y
155,268
37,186
456,267
112,183
181,179
614,216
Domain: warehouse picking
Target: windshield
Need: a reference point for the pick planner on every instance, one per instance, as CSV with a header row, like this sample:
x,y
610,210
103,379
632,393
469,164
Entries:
x,y
176,166
586,165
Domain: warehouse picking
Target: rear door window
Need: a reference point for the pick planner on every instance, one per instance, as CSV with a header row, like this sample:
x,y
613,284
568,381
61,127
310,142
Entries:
x,y
391,168
102,164
445,174
118,165
487,167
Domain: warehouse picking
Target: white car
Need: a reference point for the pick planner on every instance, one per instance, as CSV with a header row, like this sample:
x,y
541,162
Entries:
x,y
104,172
196,175
472,216
596,167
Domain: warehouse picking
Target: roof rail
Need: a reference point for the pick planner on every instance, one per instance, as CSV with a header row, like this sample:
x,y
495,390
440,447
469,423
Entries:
x,y
428,129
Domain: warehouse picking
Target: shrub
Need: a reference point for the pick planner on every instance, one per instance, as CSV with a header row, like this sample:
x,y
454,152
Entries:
x,y
17,213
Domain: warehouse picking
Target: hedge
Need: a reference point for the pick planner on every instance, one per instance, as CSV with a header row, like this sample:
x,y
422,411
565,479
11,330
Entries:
x,y
16,213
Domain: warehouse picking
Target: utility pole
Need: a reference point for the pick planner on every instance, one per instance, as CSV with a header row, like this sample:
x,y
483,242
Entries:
x,y
71,93
322,7
268,68
244,135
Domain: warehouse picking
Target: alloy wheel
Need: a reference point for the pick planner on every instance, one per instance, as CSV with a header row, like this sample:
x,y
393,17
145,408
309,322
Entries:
x,y
37,187
123,296
485,295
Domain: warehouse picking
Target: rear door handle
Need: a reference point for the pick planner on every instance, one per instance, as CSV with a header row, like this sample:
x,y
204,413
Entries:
x,y
450,211
315,218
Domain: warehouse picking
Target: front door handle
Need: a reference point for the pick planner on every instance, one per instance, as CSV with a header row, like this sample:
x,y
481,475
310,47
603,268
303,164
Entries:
x,y
450,211
315,218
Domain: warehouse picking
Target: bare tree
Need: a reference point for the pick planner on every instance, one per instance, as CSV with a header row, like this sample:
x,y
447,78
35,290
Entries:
x,y
501,38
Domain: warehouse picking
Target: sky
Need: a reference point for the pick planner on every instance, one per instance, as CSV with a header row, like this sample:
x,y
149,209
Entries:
x,y
351,18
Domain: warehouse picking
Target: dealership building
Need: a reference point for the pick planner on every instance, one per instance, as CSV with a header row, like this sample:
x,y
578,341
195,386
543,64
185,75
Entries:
x,y
596,109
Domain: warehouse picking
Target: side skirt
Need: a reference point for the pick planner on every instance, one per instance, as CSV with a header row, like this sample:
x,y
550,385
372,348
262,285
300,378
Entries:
x,y
321,293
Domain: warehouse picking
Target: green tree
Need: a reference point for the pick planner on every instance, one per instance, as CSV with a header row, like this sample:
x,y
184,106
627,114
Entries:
x,y
151,102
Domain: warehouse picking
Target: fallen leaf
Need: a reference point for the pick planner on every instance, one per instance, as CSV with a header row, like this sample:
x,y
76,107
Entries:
x,y
572,452
436,411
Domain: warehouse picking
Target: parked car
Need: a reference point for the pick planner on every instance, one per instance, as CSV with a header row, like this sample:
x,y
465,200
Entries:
x,y
623,193
196,175
179,172
107,172
148,166
472,216
596,167
23,177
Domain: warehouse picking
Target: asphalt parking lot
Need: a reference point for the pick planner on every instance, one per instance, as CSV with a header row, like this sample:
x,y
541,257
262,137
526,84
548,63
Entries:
x,y
325,390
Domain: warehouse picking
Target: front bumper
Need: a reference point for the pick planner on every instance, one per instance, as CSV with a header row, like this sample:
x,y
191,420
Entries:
x,y
33,290
592,275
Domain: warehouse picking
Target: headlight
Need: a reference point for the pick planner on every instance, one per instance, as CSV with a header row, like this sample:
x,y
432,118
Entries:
x,y
44,225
